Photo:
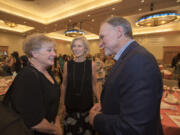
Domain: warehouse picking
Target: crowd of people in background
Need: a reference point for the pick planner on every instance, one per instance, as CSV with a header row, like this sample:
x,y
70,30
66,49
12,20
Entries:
x,y
11,65
175,64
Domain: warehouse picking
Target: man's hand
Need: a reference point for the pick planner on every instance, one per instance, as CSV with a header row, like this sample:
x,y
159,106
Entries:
x,y
96,109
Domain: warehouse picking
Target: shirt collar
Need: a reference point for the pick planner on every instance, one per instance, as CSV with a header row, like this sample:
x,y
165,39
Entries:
x,y
118,55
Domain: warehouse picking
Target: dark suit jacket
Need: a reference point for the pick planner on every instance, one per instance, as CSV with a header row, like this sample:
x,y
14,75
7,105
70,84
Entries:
x,y
131,95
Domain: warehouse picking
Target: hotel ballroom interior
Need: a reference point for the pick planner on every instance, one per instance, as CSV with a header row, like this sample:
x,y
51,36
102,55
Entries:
x,y
155,25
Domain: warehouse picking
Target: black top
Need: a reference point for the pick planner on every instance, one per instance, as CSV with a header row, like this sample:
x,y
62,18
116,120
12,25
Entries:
x,y
16,66
35,97
79,93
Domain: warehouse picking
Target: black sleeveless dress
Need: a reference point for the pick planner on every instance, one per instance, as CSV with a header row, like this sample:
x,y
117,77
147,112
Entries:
x,y
78,98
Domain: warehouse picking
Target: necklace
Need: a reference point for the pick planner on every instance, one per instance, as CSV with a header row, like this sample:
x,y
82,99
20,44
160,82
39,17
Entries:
x,y
80,59
82,80
37,68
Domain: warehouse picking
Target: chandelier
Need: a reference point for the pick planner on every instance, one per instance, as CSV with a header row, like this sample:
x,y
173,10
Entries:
x,y
10,24
157,19
74,31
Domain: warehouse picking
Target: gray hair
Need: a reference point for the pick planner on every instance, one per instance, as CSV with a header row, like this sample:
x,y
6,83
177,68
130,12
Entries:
x,y
84,41
35,42
119,21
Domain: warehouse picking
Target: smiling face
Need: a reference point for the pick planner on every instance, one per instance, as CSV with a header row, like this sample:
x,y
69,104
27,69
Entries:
x,y
108,38
78,48
45,55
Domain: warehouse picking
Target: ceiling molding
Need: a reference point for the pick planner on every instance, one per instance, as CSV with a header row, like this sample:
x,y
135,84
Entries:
x,y
53,16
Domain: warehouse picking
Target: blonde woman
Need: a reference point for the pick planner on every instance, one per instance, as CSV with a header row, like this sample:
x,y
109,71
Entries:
x,y
79,84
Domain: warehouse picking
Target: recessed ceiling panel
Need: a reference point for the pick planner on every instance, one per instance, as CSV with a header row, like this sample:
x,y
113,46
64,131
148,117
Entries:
x,y
48,11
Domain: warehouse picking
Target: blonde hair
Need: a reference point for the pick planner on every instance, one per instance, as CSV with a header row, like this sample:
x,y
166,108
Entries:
x,y
35,42
84,41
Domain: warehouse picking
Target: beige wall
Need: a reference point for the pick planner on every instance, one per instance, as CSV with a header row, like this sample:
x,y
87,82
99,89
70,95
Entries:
x,y
94,46
63,47
14,42
154,43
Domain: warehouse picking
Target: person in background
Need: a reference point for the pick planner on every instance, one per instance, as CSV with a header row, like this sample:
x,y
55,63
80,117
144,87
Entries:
x,y
61,62
176,65
36,94
175,60
15,62
56,70
65,59
131,96
6,70
79,84
109,62
100,72
24,61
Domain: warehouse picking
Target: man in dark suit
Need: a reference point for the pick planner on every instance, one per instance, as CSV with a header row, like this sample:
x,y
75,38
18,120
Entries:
x,y
131,96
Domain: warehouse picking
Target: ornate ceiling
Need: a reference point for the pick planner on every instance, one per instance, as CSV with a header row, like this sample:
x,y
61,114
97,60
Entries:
x,y
53,17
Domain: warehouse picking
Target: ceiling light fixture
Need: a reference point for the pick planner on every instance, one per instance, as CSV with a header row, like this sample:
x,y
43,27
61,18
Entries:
x,y
157,19
92,20
10,24
74,31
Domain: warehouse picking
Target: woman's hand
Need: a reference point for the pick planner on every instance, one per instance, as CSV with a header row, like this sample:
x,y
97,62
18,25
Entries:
x,y
59,131
63,111
58,126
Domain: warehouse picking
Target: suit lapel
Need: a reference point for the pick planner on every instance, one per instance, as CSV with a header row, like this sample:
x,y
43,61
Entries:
x,y
120,60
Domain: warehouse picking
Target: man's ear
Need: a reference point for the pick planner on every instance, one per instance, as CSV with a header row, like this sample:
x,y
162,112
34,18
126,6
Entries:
x,y
119,31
